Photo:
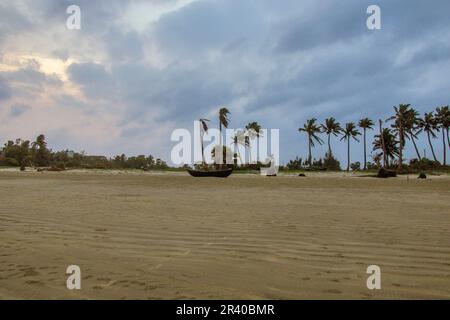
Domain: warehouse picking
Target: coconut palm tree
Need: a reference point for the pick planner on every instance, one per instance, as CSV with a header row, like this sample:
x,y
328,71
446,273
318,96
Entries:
x,y
203,130
255,127
402,113
331,127
240,139
428,124
223,121
382,145
365,124
349,132
227,154
377,159
311,129
443,120
447,122
411,129
387,144
39,151
253,132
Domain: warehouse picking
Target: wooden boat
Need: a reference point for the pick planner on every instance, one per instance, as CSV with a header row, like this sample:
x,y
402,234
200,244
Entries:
x,y
211,173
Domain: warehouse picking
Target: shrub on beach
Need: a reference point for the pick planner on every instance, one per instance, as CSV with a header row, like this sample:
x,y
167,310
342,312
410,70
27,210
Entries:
x,y
423,164
331,163
372,166
422,175
12,162
355,166
295,164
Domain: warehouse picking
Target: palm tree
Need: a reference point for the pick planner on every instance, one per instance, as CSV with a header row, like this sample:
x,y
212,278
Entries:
x,y
331,127
311,129
349,132
382,145
377,159
240,138
447,122
40,153
443,121
387,144
402,113
410,128
365,124
223,120
255,127
203,130
253,131
227,154
428,124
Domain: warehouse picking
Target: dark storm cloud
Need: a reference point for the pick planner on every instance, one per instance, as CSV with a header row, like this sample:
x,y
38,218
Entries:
x,y
180,92
124,47
348,57
321,25
94,79
88,73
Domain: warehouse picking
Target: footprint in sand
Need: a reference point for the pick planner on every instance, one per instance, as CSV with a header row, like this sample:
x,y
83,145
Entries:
x,y
149,288
30,272
335,280
34,282
334,291
104,279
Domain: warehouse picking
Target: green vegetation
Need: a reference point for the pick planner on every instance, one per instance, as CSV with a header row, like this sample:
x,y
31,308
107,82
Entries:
x,y
22,153
388,144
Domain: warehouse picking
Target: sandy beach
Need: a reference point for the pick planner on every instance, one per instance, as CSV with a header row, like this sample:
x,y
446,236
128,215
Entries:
x,y
171,236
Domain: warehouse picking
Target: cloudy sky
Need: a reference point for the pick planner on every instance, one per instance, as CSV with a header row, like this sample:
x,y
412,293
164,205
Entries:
x,y
139,69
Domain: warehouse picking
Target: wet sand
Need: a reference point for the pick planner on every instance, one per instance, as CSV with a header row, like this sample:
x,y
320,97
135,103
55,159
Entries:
x,y
170,236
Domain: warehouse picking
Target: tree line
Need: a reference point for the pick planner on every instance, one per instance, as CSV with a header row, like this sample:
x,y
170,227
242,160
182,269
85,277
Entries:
x,y
24,153
404,125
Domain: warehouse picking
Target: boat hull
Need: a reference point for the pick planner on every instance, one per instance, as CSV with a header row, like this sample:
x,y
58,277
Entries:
x,y
214,173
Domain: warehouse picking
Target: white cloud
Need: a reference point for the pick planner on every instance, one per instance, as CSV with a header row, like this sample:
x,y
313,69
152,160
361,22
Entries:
x,y
139,14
